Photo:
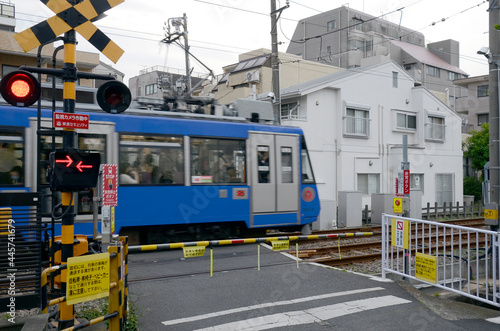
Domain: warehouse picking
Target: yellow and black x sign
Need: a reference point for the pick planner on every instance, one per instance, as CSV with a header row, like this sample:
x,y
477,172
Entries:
x,y
68,17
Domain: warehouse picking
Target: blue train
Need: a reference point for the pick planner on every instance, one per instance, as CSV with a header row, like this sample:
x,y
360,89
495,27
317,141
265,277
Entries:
x,y
182,176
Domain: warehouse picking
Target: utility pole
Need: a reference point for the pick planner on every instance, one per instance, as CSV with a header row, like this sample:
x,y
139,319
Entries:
x,y
494,18
274,59
177,23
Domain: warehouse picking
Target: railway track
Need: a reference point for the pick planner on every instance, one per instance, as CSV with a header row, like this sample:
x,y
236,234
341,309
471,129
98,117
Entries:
x,y
356,250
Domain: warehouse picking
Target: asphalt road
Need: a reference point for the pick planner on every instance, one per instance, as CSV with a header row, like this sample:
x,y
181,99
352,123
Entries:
x,y
281,296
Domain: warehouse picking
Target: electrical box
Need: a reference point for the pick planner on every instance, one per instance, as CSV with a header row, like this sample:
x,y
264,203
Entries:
x,y
491,214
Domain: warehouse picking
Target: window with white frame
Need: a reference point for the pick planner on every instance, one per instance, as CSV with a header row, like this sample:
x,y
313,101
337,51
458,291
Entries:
x,y
369,183
435,128
291,111
406,121
357,122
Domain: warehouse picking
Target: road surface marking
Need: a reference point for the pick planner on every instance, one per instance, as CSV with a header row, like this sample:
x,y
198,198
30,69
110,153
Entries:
x,y
309,316
267,305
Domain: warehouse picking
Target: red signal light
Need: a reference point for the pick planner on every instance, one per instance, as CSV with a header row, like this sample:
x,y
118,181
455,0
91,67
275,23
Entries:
x,y
113,97
20,88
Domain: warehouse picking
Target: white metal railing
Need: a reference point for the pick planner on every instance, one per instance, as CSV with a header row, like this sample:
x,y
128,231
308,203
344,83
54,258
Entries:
x,y
460,259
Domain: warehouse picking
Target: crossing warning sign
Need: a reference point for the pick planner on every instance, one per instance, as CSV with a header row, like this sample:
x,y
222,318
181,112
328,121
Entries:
x,y
72,17
400,233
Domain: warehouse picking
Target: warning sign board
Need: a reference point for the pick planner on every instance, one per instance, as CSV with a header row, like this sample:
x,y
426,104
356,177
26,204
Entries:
x,y
88,278
109,185
193,251
281,245
398,205
426,267
400,233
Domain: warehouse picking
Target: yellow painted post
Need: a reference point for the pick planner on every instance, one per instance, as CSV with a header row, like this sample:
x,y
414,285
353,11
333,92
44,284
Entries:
x,y
211,261
114,293
124,240
258,256
67,313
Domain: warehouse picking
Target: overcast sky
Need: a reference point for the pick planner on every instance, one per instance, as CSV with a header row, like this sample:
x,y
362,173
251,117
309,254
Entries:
x,y
219,30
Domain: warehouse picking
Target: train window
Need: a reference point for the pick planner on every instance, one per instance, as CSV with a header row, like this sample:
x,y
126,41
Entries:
x,y
286,165
11,157
217,161
263,164
151,160
307,173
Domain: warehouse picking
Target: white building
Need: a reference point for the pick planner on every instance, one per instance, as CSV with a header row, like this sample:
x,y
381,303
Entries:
x,y
354,122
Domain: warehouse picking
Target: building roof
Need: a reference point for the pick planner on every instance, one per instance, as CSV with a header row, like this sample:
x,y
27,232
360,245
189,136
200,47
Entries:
x,y
425,56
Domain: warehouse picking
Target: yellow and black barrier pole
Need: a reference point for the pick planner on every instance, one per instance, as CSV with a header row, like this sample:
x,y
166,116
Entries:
x,y
68,220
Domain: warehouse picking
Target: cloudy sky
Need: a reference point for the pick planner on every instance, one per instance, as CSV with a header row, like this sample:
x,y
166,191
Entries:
x,y
219,30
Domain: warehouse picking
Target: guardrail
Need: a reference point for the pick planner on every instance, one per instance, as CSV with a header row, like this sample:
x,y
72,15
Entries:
x,y
460,259
118,288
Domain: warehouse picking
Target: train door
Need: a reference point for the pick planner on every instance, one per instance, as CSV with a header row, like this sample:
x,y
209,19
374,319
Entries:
x,y
274,166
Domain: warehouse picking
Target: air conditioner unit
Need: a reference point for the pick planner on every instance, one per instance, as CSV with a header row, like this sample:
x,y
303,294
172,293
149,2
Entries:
x,y
253,76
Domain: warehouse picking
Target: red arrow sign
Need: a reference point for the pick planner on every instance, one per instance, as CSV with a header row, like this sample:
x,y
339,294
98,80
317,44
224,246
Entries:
x,y
68,161
79,166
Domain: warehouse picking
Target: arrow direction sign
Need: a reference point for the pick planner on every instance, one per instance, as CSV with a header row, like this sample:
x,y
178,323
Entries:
x,y
68,160
77,17
81,166
74,170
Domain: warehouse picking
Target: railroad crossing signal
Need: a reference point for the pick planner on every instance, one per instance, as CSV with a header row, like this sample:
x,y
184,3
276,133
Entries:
x,y
74,170
72,17
20,88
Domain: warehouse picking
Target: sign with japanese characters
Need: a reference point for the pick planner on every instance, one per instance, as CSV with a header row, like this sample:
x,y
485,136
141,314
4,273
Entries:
x,y
71,121
400,233
193,251
109,185
426,267
281,245
88,278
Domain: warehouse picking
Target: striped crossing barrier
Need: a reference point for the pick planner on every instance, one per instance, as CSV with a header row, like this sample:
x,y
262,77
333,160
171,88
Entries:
x,y
169,246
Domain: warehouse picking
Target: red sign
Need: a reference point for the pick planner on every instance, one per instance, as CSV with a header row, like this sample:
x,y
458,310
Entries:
x,y
71,121
109,185
400,225
407,182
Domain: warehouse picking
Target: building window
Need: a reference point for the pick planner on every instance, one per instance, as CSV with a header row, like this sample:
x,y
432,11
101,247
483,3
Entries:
x,y
394,79
483,91
329,49
291,111
405,121
444,189
356,24
151,89
483,118
355,44
369,183
330,26
408,67
432,71
417,182
435,128
453,75
356,123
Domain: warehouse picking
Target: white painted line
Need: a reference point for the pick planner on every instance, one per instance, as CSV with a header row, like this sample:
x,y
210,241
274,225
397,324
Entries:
x,y
309,316
270,304
495,320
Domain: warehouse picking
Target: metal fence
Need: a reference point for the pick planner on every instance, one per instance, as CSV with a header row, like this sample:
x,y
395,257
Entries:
x,y
460,259
20,251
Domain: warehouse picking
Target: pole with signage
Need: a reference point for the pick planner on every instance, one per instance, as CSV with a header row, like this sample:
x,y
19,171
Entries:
x,y
405,166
